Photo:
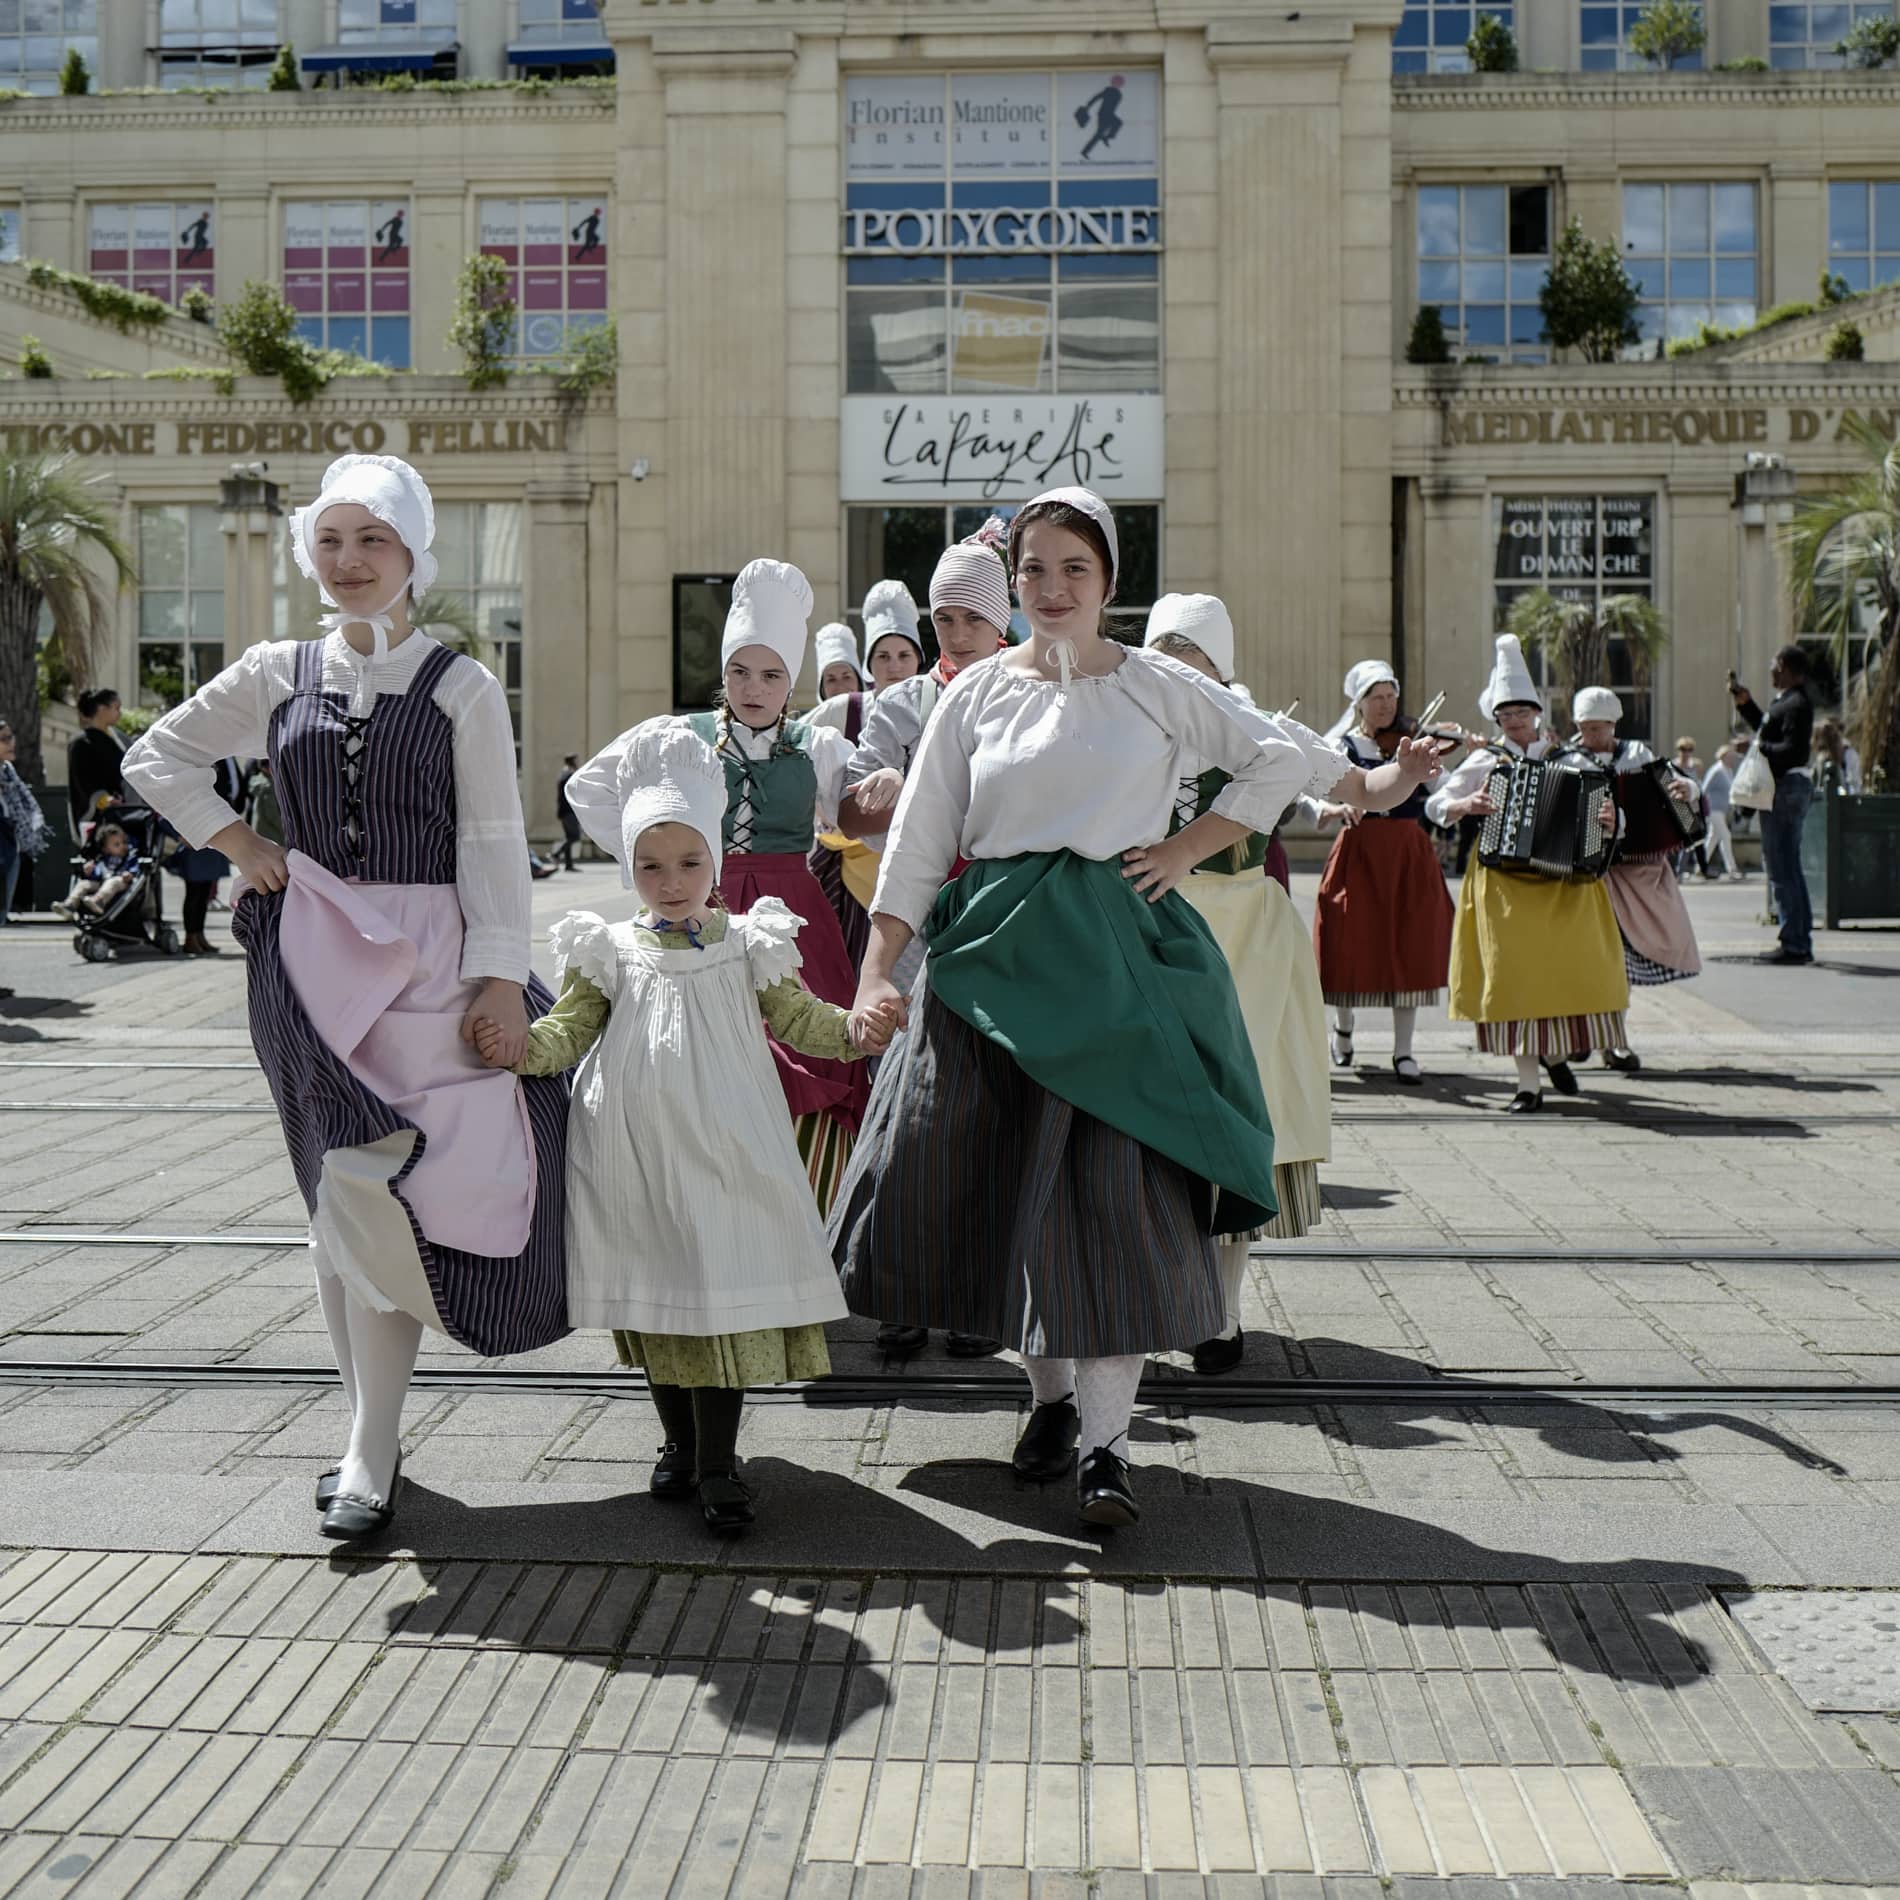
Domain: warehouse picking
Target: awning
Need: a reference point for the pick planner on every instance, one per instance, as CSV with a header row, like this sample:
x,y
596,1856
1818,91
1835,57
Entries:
x,y
418,55
533,52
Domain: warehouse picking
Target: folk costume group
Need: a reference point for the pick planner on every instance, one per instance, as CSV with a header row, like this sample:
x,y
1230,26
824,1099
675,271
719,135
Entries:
x,y
1030,885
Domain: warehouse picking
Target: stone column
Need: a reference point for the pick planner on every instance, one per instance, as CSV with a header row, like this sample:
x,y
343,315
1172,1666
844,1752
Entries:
x,y
50,226
123,38
440,243
554,618
1792,233
1457,611
249,519
307,23
1699,602
247,240
1764,505
1303,377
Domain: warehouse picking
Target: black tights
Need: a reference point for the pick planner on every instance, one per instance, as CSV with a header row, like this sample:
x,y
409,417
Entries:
x,y
704,1418
196,905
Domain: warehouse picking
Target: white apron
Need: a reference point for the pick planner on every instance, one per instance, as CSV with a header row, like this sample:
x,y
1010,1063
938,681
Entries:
x,y
688,1209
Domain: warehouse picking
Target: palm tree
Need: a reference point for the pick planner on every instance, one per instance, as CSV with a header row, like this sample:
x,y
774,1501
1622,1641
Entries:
x,y
51,522
1843,557
1576,637
450,619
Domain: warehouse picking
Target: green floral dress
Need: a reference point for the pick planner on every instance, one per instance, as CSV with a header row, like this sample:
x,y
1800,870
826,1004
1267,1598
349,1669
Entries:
x,y
798,1019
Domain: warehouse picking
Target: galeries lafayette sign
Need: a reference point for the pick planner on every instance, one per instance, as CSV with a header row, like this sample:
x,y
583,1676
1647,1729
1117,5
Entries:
x,y
913,449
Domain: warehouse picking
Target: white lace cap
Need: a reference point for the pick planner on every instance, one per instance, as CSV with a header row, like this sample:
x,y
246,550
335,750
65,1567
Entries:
x,y
671,776
393,492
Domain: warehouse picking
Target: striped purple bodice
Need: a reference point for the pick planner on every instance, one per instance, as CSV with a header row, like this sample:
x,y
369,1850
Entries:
x,y
373,798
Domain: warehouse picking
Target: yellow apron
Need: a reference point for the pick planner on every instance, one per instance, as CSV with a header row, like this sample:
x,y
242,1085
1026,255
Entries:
x,y
1529,949
858,867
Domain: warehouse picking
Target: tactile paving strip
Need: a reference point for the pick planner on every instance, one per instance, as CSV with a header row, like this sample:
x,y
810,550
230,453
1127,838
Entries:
x,y
1838,1649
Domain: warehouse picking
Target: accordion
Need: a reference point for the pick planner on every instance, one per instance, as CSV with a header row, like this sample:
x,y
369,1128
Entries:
x,y
1548,819
1652,820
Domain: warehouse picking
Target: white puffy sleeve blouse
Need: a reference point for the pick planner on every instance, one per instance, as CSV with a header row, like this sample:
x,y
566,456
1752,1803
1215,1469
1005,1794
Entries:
x,y
1011,763
171,768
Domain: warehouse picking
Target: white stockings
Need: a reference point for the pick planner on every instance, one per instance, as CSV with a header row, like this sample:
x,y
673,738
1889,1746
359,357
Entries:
x,y
1230,1255
375,1354
1104,1393
1404,1022
1527,1076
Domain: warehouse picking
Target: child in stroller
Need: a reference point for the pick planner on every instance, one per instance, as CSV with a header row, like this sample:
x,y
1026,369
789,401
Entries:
x,y
115,900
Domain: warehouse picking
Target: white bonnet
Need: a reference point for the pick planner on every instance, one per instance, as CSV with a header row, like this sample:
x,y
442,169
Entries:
x,y
1596,702
1202,618
835,645
771,606
889,609
393,492
1510,682
669,775
1361,679
1097,510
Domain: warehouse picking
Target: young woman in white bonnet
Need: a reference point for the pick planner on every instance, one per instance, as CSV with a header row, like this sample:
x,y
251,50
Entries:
x,y
1382,923
1075,1113
392,921
1266,945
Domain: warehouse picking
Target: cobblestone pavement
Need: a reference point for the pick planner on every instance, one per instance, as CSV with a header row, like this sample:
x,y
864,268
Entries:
x,y
1468,1646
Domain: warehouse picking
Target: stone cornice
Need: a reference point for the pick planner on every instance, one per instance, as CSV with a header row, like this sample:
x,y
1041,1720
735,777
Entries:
x,y
403,395
267,111
1519,92
1608,385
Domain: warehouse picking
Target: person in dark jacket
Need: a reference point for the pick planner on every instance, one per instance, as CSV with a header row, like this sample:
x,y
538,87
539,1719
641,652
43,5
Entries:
x,y
1785,735
570,825
199,869
95,759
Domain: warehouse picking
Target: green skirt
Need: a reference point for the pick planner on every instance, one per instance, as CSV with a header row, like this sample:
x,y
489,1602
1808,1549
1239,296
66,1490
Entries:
x,y
771,1356
1152,1043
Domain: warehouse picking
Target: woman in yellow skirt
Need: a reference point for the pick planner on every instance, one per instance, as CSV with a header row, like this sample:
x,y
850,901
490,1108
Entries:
x,y
1536,963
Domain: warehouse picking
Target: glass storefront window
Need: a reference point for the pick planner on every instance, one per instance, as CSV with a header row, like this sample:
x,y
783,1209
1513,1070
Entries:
x,y
181,600
346,273
557,251
478,546
1583,548
162,249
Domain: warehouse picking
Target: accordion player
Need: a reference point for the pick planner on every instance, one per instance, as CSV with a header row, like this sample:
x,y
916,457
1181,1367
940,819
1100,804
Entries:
x,y
1653,820
1547,818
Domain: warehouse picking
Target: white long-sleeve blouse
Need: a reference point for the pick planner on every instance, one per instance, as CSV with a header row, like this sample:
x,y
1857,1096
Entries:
x,y
1473,772
1011,763
170,767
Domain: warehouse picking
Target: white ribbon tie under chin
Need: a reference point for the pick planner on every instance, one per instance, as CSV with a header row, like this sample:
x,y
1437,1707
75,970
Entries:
x,y
381,626
1066,659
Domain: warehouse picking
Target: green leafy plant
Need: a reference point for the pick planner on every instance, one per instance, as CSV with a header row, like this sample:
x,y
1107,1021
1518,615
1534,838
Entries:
x,y
284,76
1843,549
1492,47
196,304
108,376
110,303
1748,63
259,328
1871,45
484,325
1668,30
591,362
34,362
1832,289
56,531
1428,342
75,76
1845,344
1576,637
451,619
224,381
1588,298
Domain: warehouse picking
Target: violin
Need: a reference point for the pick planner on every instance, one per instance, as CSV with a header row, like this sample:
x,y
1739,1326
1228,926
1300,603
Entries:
x,y
1447,737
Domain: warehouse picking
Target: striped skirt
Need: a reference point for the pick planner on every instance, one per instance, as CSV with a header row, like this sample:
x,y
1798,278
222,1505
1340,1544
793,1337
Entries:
x,y
978,1201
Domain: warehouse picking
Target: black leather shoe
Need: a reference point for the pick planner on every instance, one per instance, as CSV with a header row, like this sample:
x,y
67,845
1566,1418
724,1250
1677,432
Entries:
x,y
673,1475
902,1342
1625,1059
1561,1079
326,1486
1525,1102
1409,1074
350,1517
1786,956
725,1503
1212,1357
970,1346
1103,1493
1047,1447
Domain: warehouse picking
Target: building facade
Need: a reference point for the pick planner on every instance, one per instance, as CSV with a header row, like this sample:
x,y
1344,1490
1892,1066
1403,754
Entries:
x,y
877,268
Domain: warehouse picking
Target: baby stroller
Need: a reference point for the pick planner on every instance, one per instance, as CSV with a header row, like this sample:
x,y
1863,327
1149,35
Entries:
x,y
135,919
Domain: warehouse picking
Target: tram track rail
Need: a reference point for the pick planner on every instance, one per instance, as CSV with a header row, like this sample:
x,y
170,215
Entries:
x,y
1163,1389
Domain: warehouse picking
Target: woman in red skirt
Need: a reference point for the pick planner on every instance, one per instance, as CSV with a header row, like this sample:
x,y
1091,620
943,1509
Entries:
x,y
1382,927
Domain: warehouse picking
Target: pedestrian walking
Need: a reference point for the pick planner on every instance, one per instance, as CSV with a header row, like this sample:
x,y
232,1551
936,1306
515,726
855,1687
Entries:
x,y
395,922
1720,843
1784,735
24,832
571,833
691,1231
1010,1181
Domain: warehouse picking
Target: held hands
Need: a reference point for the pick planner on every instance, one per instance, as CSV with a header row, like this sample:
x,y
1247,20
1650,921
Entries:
x,y
872,1029
878,794
497,1024
1157,869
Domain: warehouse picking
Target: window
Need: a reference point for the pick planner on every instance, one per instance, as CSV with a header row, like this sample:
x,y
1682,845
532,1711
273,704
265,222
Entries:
x,y
904,544
363,22
181,600
1606,36
557,249
1806,33
1431,38
163,249
478,546
1580,547
1483,252
1692,250
1017,253
216,42
561,20
36,36
346,273
1863,231
9,234
560,38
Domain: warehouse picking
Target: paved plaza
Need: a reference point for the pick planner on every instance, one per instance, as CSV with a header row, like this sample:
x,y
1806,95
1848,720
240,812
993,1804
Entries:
x,y
1471,1642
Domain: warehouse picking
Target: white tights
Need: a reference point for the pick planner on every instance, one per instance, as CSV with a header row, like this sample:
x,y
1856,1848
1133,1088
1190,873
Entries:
x,y
1230,1255
375,1355
1527,1077
1404,1024
1103,1390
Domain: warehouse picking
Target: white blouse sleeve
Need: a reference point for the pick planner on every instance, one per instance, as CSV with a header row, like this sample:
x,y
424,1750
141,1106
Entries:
x,y
893,723
927,831
831,758
172,766
1471,774
491,842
